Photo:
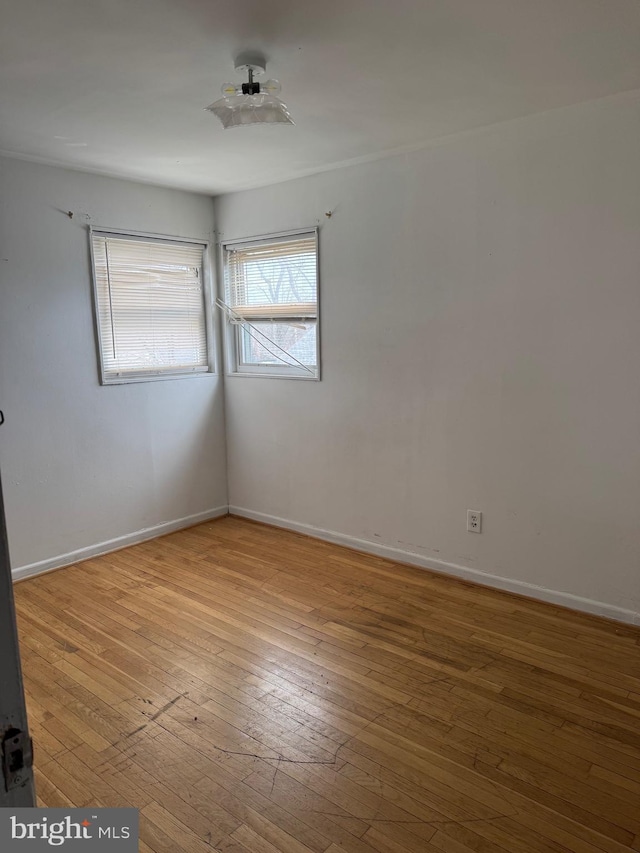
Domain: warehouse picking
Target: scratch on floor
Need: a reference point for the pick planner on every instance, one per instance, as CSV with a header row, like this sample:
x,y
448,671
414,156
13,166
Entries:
x,y
152,719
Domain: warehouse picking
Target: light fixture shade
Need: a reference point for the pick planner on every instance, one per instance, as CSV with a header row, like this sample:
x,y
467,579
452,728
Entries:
x,y
237,110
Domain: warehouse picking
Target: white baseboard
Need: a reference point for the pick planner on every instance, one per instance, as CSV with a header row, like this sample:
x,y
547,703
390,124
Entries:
x,y
564,599
143,535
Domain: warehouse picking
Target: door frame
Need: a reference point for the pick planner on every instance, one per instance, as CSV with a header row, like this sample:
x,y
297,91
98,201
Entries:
x,y
14,728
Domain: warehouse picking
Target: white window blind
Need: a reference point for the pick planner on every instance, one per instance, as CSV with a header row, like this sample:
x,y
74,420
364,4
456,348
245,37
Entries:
x,y
150,306
273,279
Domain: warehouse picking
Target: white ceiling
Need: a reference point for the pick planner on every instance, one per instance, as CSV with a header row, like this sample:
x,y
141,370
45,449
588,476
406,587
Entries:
x,y
119,86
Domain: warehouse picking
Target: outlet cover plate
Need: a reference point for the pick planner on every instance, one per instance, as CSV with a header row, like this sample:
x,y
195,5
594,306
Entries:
x,y
474,521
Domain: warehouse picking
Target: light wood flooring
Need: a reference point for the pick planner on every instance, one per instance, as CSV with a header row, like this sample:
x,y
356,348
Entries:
x,y
252,690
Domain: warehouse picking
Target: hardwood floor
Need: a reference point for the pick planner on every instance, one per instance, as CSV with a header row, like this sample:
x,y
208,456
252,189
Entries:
x,y
252,690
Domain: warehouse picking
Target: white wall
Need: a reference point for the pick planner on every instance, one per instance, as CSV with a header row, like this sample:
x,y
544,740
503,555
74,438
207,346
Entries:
x,y
481,349
84,464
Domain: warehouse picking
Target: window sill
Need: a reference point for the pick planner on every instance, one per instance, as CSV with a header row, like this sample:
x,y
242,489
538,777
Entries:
x,y
161,377
258,375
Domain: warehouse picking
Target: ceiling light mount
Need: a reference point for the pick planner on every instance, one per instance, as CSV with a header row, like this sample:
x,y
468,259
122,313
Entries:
x,y
253,64
251,61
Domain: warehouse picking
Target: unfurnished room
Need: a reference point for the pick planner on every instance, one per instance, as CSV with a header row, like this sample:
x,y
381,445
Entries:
x,y
320,426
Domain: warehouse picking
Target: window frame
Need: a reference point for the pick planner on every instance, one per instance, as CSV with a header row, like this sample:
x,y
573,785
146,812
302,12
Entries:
x,y
208,293
234,365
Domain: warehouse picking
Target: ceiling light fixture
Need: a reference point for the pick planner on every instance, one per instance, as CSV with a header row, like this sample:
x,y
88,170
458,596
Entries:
x,y
251,102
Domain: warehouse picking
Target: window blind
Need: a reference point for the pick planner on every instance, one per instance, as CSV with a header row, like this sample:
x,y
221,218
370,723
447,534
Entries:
x,y
150,301
273,279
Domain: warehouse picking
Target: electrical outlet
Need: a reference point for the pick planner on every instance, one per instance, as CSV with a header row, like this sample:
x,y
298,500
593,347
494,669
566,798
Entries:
x,y
474,521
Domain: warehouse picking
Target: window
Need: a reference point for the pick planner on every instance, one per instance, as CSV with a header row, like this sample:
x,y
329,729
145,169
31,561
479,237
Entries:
x,y
271,287
150,307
